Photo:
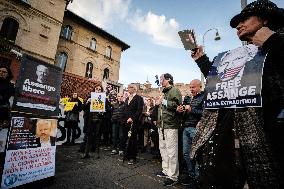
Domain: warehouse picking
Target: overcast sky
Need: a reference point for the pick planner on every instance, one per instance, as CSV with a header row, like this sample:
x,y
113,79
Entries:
x,y
151,28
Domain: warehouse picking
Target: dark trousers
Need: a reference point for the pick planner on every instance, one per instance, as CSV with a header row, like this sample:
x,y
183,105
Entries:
x,y
154,135
116,133
140,135
106,131
71,127
94,135
131,142
123,137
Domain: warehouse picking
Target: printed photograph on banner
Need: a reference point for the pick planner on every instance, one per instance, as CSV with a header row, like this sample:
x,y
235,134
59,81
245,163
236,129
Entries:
x,y
38,87
31,133
234,80
30,153
98,101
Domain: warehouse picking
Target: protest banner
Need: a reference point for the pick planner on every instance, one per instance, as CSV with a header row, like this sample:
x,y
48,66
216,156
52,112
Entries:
x,y
98,101
38,87
64,100
69,106
30,152
234,80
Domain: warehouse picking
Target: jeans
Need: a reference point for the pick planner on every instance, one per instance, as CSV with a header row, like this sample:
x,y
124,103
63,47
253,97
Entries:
x,y
188,134
116,130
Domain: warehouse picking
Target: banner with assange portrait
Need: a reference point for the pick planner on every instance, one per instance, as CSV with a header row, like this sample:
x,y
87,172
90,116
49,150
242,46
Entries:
x,y
38,88
30,152
234,80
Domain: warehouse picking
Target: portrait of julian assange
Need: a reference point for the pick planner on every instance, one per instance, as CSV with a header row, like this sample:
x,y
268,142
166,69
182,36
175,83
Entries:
x,y
45,132
42,73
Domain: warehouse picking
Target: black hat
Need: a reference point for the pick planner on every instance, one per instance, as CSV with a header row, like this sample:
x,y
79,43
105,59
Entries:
x,y
265,9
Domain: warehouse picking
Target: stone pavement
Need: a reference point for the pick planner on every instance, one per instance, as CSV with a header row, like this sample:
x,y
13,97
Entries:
x,y
108,172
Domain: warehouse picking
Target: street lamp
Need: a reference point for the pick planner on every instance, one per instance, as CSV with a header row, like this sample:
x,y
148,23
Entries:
x,y
217,37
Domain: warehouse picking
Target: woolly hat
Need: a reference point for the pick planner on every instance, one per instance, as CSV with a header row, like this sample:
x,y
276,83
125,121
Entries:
x,y
264,9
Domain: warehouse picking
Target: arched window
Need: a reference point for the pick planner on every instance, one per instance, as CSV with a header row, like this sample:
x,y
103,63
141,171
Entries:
x,y
67,32
106,73
108,52
9,29
62,60
89,70
93,44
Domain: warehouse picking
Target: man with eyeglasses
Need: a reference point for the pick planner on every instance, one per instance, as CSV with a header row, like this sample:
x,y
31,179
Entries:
x,y
133,111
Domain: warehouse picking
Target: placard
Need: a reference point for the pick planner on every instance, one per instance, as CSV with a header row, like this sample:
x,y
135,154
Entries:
x,y
30,153
234,80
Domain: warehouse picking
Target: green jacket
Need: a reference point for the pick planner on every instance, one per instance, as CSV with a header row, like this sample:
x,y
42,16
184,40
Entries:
x,y
168,117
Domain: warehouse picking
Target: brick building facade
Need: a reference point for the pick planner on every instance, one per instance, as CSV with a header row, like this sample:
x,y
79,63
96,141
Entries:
x,y
45,30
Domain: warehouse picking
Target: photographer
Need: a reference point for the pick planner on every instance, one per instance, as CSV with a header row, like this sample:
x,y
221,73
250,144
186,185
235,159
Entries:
x,y
192,109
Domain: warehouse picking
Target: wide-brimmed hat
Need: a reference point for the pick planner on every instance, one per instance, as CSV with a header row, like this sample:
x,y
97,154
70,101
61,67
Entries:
x,y
265,10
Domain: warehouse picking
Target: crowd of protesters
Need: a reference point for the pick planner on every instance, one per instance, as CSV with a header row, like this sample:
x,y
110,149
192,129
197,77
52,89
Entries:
x,y
221,147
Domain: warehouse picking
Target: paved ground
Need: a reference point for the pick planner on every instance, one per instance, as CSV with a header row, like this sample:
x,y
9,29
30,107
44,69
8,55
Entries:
x,y
108,172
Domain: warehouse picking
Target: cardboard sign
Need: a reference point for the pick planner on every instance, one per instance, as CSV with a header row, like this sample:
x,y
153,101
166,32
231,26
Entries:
x,y
30,153
98,102
69,106
38,87
234,80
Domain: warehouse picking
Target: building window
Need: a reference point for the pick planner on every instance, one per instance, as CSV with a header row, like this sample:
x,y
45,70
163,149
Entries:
x,y
62,60
93,44
89,70
106,73
67,32
108,52
9,29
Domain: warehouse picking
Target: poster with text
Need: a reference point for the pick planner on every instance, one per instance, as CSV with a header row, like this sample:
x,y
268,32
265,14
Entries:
x,y
38,88
98,101
234,80
30,153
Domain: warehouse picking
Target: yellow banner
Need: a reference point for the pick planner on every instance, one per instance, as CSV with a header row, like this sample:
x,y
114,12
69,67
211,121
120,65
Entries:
x,y
64,100
69,106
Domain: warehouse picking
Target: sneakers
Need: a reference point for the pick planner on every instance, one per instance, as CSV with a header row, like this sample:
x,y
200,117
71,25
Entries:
x,y
161,174
170,182
113,152
120,153
131,162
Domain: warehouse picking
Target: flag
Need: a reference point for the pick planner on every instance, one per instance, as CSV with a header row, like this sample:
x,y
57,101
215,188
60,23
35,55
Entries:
x,y
231,72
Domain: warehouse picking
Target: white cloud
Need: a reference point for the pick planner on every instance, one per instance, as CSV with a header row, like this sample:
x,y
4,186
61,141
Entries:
x,y
162,31
102,13
105,14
